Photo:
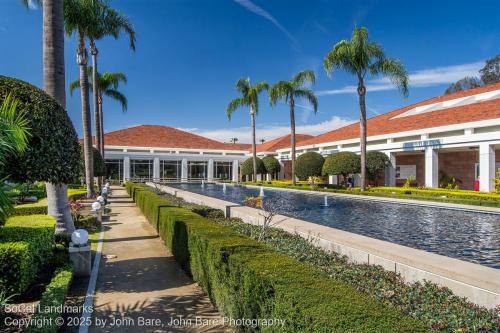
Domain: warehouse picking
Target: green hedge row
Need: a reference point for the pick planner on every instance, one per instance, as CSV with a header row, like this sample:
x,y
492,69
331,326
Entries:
x,y
26,247
41,207
246,279
53,298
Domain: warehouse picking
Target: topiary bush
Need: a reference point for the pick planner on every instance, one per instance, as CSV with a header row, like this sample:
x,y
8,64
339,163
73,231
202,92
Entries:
x,y
376,162
53,152
247,167
343,163
309,165
271,164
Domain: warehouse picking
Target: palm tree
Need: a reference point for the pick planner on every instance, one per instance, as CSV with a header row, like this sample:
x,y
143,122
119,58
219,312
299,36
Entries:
x,y
107,85
233,140
289,91
359,56
14,134
80,18
54,84
250,98
111,23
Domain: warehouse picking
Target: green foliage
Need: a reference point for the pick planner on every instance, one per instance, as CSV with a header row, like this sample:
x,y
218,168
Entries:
x,y
249,96
53,152
98,163
450,183
408,182
431,304
490,73
343,163
53,298
497,181
41,206
32,239
376,162
246,279
466,83
308,165
271,164
295,88
247,167
88,222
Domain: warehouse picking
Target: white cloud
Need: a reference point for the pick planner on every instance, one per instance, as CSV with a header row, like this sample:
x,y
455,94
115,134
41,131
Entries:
x,y
420,78
249,5
32,4
269,132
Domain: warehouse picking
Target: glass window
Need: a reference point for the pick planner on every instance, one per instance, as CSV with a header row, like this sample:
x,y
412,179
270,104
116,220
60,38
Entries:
x,y
170,169
114,170
223,170
141,169
197,170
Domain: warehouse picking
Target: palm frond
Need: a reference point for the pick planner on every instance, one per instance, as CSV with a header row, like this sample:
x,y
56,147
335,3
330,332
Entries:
x,y
112,79
309,96
113,23
14,130
280,91
243,86
340,57
234,104
396,72
117,96
304,76
73,86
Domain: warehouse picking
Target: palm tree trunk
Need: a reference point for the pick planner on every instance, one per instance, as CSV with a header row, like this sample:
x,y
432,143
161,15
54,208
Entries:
x,y
362,131
87,130
292,136
254,147
101,123
54,84
97,119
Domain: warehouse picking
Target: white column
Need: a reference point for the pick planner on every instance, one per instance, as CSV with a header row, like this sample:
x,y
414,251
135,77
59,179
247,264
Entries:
x,y
156,168
235,176
332,179
210,170
486,167
184,170
126,168
390,171
268,177
431,167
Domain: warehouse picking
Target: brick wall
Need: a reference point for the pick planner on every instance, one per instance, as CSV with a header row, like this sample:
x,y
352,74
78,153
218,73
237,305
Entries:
x,y
414,159
460,165
287,170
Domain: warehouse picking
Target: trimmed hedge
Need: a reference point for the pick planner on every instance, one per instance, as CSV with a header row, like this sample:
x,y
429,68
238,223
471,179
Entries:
x,y
41,207
53,297
309,165
34,235
246,279
17,264
246,168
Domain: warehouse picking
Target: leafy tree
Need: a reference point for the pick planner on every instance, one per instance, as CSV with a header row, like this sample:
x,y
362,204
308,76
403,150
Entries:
x,y
54,84
359,56
99,166
309,164
376,162
53,152
490,73
247,167
272,165
14,133
249,97
343,163
289,91
466,83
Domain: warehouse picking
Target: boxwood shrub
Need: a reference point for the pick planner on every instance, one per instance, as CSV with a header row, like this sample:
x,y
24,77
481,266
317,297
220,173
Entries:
x,y
35,235
246,279
40,207
52,298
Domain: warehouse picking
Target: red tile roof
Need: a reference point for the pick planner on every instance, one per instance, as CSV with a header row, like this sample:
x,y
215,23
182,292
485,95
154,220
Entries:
x,y
386,123
281,142
165,137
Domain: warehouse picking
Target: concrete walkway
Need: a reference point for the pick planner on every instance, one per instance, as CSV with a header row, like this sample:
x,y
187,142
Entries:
x,y
143,289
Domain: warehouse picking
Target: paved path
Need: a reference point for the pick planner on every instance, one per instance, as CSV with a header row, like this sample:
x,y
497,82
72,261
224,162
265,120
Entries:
x,y
144,280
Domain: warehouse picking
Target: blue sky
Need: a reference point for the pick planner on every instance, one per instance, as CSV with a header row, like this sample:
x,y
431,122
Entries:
x,y
190,54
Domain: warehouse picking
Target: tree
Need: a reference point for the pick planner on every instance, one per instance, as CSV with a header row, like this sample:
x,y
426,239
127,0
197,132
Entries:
x,y
466,83
250,98
309,165
359,56
343,163
376,162
53,152
14,133
490,73
99,166
54,84
110,23
248,169
272,165
107,84
80,18
289,91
